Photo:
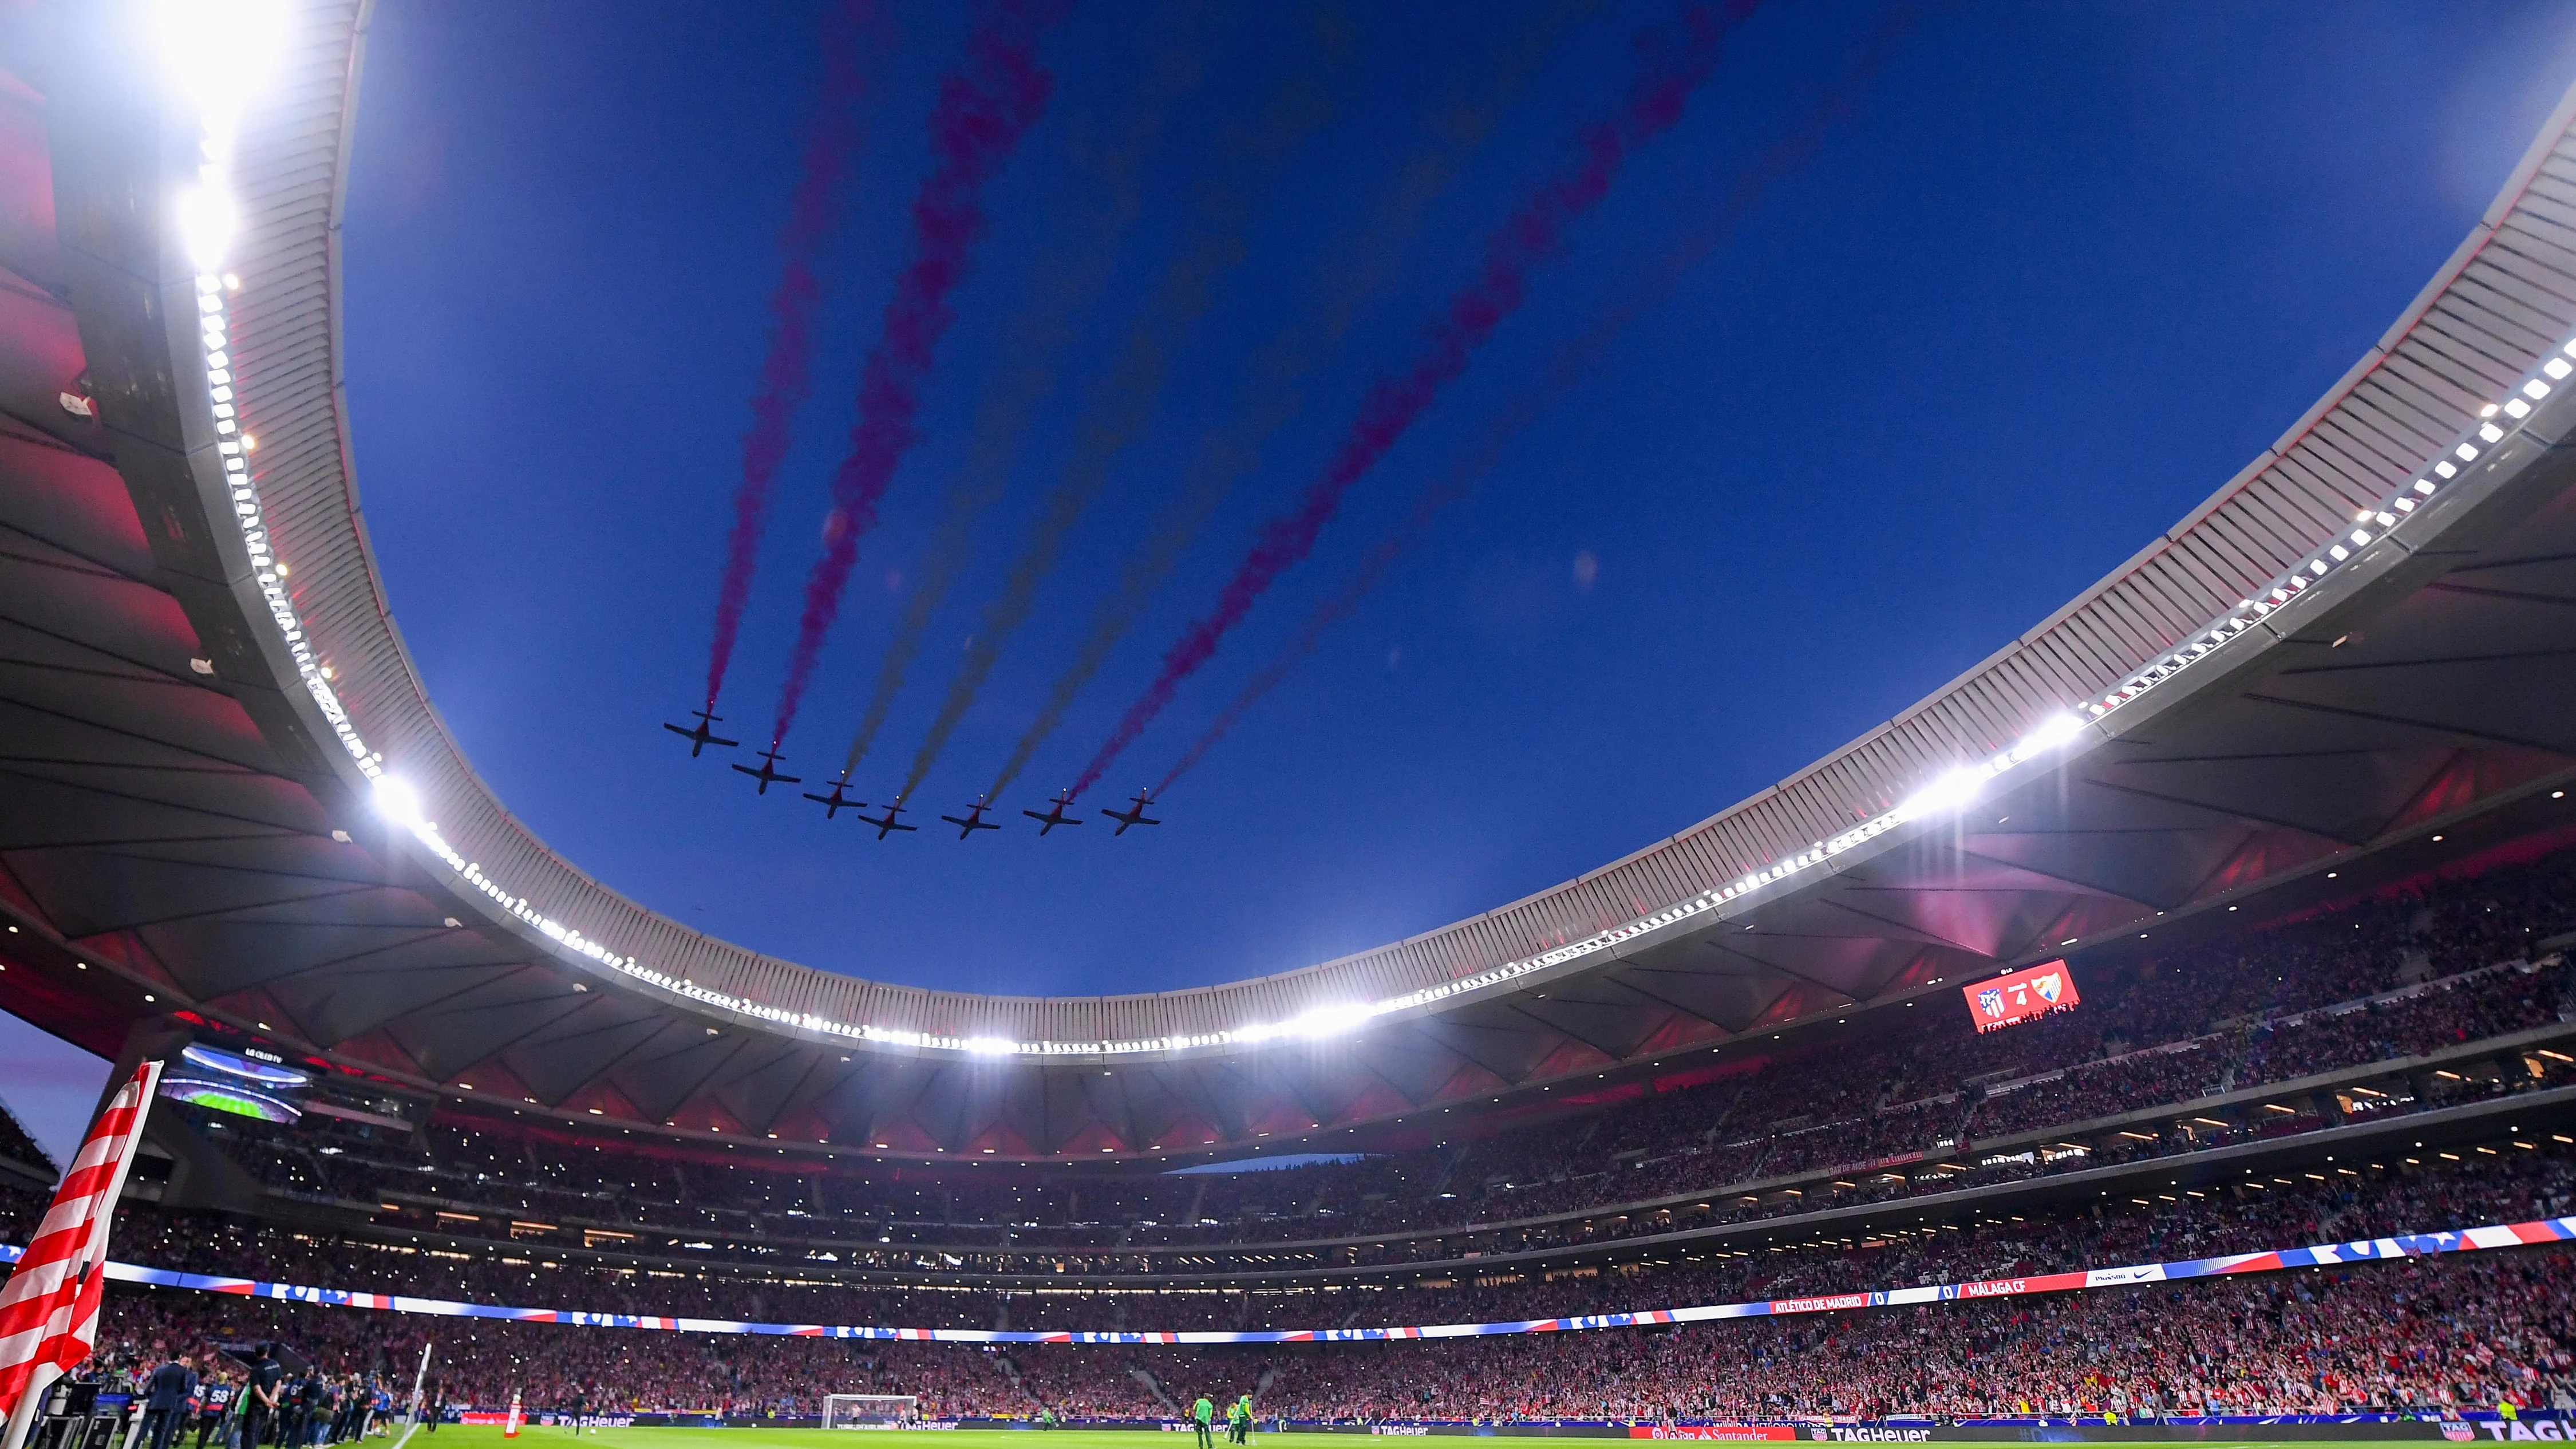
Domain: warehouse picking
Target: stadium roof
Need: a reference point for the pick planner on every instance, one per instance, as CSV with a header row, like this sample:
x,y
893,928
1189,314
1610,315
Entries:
x,y
231,793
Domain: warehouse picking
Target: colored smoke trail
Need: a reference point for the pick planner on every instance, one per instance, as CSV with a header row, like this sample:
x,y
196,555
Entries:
x,y
1271,396
786,374
1574,362
1393,405
982,113
1123,402
1061,287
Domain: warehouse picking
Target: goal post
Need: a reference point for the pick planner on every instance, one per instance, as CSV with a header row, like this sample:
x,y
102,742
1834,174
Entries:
x,y
871,1411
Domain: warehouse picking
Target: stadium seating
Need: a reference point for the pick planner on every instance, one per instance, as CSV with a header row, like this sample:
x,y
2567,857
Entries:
x,y
1935,1108
2392,1006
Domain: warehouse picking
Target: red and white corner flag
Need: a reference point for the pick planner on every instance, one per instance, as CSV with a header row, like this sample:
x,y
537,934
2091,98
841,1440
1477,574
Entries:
x,y
49,1310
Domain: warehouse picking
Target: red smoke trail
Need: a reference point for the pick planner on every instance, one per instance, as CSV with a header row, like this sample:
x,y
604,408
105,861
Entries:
x,y
982,113
1452,131
1393,405
787,373
1575,359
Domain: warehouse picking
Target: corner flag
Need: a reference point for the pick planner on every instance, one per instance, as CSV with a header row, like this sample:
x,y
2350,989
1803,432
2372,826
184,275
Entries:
x,y
49,1310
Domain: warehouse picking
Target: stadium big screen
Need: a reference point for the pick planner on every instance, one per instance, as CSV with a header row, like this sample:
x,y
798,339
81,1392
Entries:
x,y
2017,996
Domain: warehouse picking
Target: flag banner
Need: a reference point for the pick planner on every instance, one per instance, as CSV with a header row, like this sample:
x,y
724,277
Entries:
x,y
2318,1255
49,1308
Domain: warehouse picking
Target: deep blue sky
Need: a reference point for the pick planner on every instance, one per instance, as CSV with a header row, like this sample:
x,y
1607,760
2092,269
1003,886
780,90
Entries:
x,y
2062,271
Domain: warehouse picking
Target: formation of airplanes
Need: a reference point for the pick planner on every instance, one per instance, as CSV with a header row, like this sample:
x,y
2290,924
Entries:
x,y
702,734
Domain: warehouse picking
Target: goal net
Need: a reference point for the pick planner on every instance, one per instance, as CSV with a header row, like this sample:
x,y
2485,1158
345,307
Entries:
x,y
871,1411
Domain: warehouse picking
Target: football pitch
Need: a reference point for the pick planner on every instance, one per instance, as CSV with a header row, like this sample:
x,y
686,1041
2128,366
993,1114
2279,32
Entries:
x,y
488,1436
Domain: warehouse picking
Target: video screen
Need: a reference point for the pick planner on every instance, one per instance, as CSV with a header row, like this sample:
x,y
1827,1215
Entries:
x,y
223,1081
2017,996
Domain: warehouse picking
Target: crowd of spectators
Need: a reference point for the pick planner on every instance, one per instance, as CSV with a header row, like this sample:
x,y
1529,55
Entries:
x,y
2523,1176
2437,1334
1936,1107
2168,1032
1944,1144
2424,1335
2266,1007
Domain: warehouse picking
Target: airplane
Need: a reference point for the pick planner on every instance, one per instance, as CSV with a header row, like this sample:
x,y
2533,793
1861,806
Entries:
x,y
973,821
768,774
1134,814
833,802
701,737
888,823
1055,815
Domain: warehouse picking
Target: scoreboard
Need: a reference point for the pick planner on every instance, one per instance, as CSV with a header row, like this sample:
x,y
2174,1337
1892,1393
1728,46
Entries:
x,y
2017,996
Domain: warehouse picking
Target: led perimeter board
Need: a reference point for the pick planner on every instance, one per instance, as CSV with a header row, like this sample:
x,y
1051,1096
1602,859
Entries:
x,y
2017,996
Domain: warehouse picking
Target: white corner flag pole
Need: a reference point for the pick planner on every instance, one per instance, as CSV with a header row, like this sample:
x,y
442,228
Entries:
x,y
419,1383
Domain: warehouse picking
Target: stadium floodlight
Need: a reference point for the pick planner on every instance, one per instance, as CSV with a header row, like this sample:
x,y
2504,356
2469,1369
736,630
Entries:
x,y
990,1046
218,51
1331,1020
206,224
1953,792
398,802
871,1411
2056,730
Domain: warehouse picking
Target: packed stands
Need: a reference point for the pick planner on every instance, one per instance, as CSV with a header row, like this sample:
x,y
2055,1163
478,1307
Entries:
x,y
2449,1332
2521,1177
2392,1001
2392,1007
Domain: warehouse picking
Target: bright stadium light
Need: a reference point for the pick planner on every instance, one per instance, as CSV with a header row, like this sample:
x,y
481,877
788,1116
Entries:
x,y
1953,792
2057,729
1330,1020
398,802
219,51
206,225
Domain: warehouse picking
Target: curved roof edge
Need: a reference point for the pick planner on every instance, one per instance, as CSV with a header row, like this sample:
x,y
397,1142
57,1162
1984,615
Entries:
x,y
2462,341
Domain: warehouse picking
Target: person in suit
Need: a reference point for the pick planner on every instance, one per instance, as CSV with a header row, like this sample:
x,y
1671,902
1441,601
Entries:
x,y
167,1396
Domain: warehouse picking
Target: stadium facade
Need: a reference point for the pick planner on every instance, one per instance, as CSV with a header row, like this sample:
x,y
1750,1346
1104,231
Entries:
x,y
2331,699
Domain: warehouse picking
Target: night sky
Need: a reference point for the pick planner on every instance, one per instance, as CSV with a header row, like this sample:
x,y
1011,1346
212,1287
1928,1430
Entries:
x,y
1914,325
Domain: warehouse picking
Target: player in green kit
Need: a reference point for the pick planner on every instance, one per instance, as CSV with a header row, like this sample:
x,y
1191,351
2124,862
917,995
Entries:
x,y
1238,1417
1202,1418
